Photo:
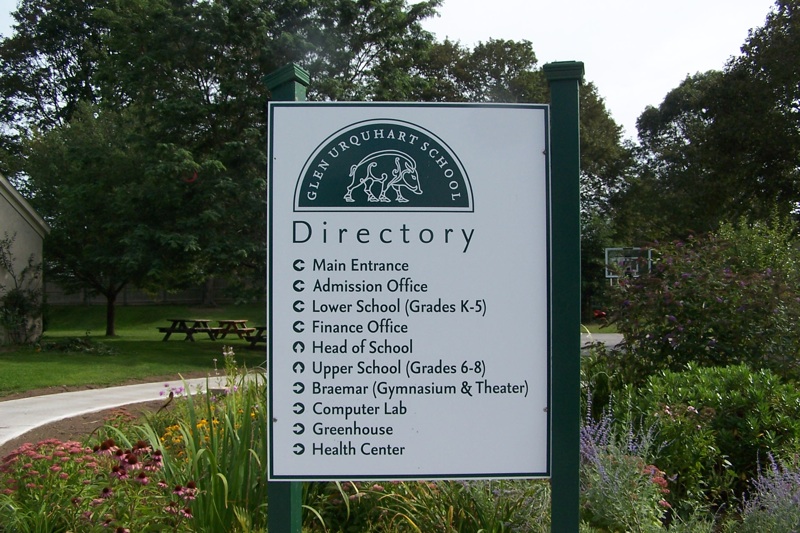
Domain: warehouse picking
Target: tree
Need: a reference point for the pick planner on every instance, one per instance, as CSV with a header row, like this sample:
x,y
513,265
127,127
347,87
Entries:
x,y
723,144
186,75
351,45
677,189
48,65
96,184
200,65
759,123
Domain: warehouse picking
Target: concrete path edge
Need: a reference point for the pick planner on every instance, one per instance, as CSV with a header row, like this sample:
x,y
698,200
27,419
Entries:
x,y
19,416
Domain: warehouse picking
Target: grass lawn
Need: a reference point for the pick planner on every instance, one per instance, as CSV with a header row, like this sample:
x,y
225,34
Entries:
x,y
74,350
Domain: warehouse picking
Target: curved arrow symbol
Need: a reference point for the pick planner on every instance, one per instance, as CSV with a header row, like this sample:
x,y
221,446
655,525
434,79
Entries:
x,y
298,388
298,347
299,428
298,367
298,306
298,449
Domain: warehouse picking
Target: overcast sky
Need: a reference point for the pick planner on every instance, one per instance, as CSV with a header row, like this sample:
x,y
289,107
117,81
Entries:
x,y
635,51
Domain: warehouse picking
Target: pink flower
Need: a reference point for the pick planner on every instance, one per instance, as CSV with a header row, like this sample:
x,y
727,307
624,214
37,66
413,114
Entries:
x,y
189,492
142,447
119,472
131,462
107,447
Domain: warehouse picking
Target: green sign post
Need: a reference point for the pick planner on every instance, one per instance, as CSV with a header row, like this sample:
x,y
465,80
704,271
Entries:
x,y
565,79
285,497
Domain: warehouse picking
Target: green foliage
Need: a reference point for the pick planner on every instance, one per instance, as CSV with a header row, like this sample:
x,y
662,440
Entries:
x,y
716,424
20,302
446,506
677,189
47,66
722,299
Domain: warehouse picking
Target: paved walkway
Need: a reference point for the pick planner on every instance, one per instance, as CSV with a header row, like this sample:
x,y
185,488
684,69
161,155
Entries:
x,y
611,340
17,417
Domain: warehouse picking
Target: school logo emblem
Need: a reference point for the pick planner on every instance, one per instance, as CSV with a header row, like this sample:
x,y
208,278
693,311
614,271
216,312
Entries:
x,y
383,164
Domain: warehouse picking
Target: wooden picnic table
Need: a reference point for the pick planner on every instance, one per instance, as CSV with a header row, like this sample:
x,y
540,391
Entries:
x,y
236,327
259,335
189,326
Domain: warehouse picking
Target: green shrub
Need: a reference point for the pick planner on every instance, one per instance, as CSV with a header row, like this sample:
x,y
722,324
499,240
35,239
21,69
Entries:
x,y
716,423
727,298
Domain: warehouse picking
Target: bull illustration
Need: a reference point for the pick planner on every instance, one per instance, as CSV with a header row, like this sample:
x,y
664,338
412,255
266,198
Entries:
x,y
393,169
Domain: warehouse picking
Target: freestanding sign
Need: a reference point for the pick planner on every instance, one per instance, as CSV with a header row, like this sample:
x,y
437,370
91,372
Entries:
x,y
408,291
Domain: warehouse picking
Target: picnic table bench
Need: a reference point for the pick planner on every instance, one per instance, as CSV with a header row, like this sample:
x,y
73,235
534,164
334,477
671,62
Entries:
x,y
189,326
235,327
259,336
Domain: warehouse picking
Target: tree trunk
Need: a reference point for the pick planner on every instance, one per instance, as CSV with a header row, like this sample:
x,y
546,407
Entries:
x,y
208,293
111,298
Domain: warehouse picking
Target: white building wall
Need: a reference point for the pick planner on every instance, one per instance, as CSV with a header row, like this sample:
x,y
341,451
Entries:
x,y
19,220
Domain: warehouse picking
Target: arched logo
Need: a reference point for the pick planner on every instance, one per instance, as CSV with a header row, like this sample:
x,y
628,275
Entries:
x,y
383,164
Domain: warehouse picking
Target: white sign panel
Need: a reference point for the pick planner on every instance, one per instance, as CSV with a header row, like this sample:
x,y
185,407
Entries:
x,y
408,283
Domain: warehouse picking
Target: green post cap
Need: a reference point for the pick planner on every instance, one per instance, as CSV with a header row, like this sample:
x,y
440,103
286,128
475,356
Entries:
x,y
288,83
564,70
